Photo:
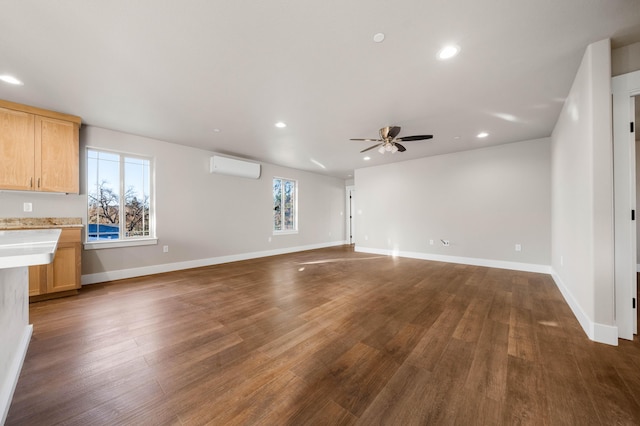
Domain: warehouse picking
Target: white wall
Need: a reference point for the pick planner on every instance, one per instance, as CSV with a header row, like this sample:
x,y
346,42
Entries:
x,y
582,196
15,331
44,205
625,59
204,218
483,201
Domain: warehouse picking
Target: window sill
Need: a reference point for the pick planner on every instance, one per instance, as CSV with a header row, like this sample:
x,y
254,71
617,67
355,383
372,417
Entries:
x,y
285,232
97,245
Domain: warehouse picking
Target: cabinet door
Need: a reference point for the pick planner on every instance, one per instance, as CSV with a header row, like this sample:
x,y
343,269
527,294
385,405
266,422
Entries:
x,y
38,276
16,150
66,268
57,153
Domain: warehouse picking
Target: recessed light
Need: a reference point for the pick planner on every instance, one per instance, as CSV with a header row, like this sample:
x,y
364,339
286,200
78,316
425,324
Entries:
x,y
448,52
216,130
482,135
281,125
11,80
367,158
378,38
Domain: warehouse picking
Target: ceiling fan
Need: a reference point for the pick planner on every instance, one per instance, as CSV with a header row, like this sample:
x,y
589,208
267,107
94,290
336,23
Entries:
x,y
389,142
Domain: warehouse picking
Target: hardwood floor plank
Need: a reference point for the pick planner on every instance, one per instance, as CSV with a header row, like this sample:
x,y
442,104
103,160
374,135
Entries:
x,y
330,413
620,406
474,408
52,406
525,401
229,401
442,404
355,378
522,335
488,372
430,348
394,405
288,340
470,326
397,342
500,310
111,411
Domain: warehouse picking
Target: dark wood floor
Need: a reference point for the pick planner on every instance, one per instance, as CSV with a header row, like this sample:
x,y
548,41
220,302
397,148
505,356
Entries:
x,y
323,337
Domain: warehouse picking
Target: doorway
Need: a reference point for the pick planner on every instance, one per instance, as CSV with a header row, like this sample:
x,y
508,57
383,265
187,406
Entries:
x,y
350,216
636,115
626,90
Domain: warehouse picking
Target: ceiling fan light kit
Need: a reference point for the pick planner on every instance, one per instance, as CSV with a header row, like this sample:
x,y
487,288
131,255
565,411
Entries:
x,y
388,147
388,141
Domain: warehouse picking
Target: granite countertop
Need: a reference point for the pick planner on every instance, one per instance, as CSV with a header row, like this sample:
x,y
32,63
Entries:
x,y
7,223
27,247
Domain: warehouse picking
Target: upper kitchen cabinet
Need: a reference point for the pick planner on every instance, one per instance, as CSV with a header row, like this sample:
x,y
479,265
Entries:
x,y
39,149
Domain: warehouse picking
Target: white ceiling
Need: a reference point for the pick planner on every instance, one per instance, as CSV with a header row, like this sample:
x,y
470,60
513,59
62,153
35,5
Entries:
x,y
175,71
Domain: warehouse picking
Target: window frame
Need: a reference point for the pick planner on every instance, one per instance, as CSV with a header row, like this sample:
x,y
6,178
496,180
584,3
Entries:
x,y
295,206
122,241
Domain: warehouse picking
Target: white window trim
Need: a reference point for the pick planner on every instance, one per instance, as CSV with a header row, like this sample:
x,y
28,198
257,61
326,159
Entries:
x,y
132,241
288,231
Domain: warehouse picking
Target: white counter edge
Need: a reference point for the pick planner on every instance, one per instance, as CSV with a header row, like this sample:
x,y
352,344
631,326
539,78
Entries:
x,y
27,247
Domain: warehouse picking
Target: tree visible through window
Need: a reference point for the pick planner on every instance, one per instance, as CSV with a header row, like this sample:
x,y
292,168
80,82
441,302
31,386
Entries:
x,y
119,196
285,215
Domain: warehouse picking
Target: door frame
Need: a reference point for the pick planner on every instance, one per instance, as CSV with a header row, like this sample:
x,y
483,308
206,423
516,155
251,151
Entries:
x,y
624,88
350,201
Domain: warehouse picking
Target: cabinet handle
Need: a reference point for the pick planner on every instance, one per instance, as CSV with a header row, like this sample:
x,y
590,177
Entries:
x,y
30,182
38,182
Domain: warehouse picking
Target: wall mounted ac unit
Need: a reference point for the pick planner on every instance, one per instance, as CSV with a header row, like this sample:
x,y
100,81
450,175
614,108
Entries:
x,y
234,167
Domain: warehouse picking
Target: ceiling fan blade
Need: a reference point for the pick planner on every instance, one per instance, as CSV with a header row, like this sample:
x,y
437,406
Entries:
x,y
367,140
400,147
414,138
371,147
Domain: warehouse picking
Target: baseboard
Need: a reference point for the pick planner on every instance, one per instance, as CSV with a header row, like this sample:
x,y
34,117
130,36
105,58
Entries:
x,y
600,333
500,264
11,378
177,266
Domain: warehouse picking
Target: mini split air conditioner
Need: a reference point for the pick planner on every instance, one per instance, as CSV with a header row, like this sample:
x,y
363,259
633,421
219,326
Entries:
x,y
234,167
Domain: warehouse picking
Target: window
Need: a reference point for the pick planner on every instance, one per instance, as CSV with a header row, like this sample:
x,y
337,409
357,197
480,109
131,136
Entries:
x,y
119,198
285,206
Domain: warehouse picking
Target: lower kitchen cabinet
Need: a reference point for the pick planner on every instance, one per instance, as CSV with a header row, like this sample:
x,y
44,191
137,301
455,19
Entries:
x,y
62,276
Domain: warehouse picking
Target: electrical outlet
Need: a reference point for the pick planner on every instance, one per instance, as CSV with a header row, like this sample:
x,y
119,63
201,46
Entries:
x,y
518,247
165,249
27,207
430,242
561,260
